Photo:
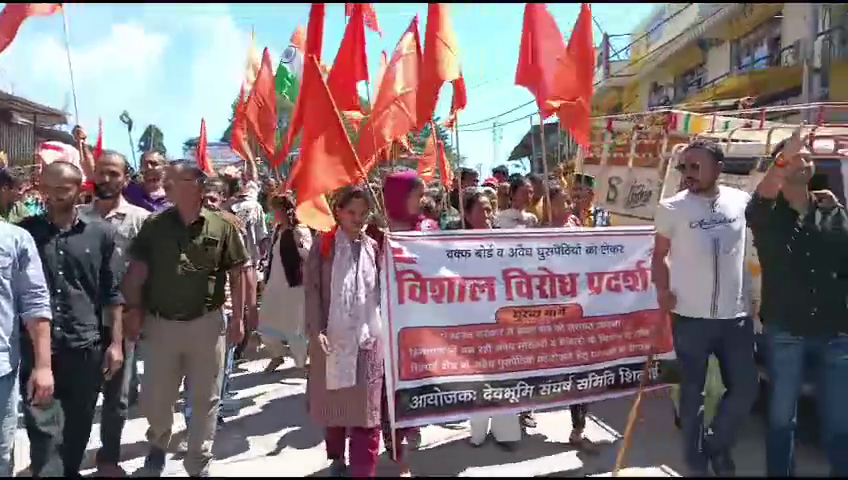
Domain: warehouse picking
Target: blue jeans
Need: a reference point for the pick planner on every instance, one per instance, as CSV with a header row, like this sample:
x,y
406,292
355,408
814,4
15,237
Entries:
x,y
9,398
785,357
732,342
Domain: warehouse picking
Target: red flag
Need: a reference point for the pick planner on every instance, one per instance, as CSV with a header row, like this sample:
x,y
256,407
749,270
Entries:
x,y
98,147
14,15
541,47
261,107
458,102
393,115
314,45
327,158
574,80
298,38
202,157
428,161
238,138
440,61
445,170
351,65
370,16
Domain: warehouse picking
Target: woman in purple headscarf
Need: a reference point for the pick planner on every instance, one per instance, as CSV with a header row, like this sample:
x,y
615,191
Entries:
x,y
402,194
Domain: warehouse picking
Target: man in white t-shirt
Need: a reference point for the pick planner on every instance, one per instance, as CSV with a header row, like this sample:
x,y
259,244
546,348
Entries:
x,y
701,280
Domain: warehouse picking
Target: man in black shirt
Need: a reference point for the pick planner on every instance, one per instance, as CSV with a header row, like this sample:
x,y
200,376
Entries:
x,y
802,245
83,266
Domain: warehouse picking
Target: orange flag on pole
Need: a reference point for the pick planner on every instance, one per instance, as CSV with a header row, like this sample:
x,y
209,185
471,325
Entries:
x,y
351,65
445,170
440,61
458,102
370,16
238,138
327,158
261,107
14,15
428,161
202,156
541,47
314,45
574,80
394,112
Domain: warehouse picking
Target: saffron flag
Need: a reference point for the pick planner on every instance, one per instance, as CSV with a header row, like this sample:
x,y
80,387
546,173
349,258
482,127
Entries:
x,y
394,112
313,47
203,162
574,80
370,16
14,15
351,65
541,47
238,138
261,107
327,158
440,61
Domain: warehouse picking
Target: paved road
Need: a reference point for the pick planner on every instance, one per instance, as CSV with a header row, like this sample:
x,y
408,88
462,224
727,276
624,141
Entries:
x,y
271,436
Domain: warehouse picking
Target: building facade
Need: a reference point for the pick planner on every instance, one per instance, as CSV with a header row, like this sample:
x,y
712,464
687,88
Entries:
x,y
712,57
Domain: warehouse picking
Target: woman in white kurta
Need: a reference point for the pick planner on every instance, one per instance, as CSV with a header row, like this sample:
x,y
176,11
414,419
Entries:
x,y
281,318
505,427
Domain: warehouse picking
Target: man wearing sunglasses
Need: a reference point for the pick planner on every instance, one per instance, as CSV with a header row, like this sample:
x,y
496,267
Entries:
x,y
698,269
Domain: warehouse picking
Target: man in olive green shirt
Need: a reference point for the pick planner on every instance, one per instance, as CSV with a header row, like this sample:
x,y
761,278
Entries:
x,y
179,262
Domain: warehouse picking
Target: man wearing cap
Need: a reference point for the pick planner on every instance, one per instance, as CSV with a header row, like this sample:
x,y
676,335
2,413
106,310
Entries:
x,y
189,250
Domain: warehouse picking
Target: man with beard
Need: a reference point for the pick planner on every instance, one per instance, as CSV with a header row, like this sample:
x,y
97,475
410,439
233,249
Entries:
x,y
802,245
189,250
699,271
82,262
148,194
119,390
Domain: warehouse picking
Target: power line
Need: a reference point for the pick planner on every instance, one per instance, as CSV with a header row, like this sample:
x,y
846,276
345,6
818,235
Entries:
x,y
640,59
665,20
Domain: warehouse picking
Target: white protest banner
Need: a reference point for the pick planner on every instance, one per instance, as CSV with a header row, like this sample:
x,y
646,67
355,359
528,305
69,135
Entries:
x,y
500,321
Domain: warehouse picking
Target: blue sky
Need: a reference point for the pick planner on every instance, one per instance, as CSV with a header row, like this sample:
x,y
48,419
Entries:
x,y
173,64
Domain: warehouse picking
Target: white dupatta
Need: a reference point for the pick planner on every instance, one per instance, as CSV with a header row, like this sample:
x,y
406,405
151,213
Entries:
x,y
354,317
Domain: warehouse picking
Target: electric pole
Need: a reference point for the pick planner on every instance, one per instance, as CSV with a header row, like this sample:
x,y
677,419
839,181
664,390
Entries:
x,y
497,136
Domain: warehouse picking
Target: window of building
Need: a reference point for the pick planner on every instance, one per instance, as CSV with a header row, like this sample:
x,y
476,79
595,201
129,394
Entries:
x,y
690,82
758,49
656,27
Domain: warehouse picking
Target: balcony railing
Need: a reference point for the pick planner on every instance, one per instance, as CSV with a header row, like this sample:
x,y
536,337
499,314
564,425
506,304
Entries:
x,y
785,57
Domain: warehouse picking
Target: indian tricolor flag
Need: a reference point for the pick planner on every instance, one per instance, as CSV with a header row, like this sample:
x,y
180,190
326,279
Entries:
x,y
290,70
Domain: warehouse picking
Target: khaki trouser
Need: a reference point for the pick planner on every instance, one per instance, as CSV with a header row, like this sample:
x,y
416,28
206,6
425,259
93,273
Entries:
x,y
195,350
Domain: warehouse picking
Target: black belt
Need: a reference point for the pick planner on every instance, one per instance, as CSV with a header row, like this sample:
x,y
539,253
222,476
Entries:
x,y
184,317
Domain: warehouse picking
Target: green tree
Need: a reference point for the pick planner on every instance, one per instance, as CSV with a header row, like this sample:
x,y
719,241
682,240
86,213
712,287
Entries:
x,y
152,139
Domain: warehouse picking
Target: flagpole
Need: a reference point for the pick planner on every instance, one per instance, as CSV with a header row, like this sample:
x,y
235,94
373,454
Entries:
x,y
70,64
381,204
545,211
460,196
